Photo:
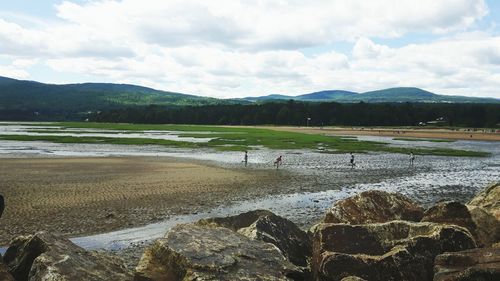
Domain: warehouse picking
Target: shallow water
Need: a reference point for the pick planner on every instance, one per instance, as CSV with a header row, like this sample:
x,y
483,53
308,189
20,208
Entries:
x,y
27,130
316,180
300,205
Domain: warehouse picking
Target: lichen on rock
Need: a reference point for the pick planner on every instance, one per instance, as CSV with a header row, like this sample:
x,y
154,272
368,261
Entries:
x,y
373,207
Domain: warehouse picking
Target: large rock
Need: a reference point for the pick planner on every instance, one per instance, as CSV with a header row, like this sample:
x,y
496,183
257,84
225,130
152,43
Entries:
x,y
44,256
373,207
475,264
235,222
4,273
193,252
451,212
487,226
284,234
268,227
397,250
489,200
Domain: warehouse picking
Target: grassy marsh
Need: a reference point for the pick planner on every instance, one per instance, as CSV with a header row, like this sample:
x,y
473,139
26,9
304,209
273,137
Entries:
x,y
237,139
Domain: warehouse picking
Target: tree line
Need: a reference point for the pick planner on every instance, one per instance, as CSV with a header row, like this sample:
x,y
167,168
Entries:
x,y
313,114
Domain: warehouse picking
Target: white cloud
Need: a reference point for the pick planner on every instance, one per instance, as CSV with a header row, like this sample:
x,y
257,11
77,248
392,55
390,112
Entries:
x,y
227,48
365,49
255,24
16,69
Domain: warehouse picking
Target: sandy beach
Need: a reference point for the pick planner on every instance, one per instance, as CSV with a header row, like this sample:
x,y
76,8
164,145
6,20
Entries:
x,y
80,196
462,134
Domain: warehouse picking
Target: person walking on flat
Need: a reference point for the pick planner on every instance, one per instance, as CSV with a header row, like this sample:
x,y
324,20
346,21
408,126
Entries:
x,y
245,158
278,162
352,161
412,158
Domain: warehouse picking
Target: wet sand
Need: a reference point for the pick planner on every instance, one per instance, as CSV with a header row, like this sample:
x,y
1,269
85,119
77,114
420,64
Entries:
x,y
461,134
81,196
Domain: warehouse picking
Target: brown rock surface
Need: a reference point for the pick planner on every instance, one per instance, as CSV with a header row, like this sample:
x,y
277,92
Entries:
x,y
487,226
4,273
489,200
45,256
474,264
396,250
194,252
293,242
373,207
451,212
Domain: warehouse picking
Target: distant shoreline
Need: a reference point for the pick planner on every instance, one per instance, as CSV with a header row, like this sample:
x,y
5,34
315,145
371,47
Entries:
x,y
425,133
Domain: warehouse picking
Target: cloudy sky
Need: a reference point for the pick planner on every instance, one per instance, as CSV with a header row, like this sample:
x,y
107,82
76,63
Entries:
x,y
229,48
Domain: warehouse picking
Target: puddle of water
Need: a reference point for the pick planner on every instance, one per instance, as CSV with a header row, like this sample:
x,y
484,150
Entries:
x,y
26,130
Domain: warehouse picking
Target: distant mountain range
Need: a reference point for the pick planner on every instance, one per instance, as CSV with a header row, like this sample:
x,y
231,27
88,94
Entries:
x,y
396,95
18,96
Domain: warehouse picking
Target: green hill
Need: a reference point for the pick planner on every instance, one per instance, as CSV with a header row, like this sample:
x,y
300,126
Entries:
x,y
329,95
18,94
22,100
392,95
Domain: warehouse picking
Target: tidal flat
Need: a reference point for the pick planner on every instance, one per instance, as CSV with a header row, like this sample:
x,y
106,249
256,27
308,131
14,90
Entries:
x,y
222,138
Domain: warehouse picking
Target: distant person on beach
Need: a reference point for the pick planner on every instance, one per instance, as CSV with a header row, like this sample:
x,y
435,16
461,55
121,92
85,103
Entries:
x,y
412,158
2,205
246,158
352,161
278,162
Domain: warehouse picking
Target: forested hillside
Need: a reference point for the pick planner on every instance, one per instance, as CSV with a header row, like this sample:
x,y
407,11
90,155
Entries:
x,y
29,100
297,113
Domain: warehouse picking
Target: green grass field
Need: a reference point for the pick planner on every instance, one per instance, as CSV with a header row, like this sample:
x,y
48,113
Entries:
x,y
237,139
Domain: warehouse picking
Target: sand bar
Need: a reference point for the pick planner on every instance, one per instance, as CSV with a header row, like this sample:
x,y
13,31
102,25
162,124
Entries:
x,y
79,196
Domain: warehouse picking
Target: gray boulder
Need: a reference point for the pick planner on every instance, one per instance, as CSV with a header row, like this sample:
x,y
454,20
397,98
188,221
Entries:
x,y
474,264
44,256
235,222
194,252
397,250
284,234
373,207
489,200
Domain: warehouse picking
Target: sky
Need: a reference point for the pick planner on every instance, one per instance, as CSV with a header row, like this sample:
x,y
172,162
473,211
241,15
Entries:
x,y
230,48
